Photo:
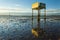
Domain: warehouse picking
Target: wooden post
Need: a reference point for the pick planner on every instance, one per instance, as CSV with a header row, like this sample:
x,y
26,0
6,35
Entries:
x,y
38,22
45,17
32,18
38,19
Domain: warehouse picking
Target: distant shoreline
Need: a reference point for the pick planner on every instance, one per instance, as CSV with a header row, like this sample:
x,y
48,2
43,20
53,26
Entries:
x,y
48,17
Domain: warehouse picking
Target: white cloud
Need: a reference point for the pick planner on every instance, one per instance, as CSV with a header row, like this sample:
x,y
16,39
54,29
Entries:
x,y
53,11
14,10
6,11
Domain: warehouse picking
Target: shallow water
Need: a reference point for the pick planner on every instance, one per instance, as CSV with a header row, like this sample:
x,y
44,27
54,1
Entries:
x,y
19,28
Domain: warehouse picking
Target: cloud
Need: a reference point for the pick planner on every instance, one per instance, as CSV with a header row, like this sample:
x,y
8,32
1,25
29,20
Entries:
x,y
23,10
14,10
53,11
6,11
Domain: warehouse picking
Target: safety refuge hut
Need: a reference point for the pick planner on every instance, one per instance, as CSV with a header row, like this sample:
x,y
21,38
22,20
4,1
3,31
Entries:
x,y
38,6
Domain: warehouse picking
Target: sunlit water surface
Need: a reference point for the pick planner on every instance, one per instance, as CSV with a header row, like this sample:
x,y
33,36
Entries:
x,y
19,28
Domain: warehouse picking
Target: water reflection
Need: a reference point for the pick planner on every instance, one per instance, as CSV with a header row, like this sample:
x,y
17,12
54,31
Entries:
x,y
15,28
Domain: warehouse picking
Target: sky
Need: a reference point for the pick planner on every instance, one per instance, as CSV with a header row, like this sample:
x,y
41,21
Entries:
x,y
23,7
